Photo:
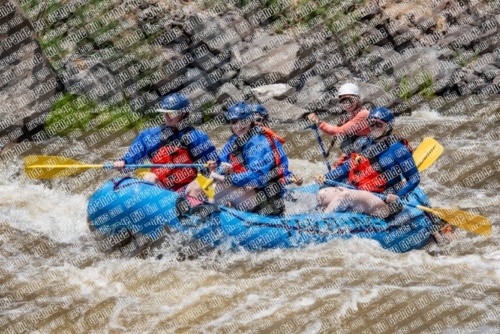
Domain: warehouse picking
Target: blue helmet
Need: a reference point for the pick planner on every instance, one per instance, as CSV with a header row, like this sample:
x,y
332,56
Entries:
x,y
173,102
260,109
239,110
382,114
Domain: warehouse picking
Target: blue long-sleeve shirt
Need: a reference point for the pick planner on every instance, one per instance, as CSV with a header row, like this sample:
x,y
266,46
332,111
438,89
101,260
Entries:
x,y
395,161
259,159
148,143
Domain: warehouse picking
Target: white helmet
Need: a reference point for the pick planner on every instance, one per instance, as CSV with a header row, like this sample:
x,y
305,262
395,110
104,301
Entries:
x,y
349,89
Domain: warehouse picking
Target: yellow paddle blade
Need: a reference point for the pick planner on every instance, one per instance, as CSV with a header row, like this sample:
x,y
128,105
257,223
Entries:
x,y
206,185
465,220
426,153
50,167
140,172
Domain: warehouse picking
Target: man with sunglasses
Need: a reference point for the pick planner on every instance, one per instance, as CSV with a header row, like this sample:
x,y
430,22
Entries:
x,y
385,165
253,168
174,142
352,125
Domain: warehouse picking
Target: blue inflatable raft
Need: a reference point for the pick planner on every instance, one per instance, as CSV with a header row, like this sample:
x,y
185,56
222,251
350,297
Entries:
x,y
128,208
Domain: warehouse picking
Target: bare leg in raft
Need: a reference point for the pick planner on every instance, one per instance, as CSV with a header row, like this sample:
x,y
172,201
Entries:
x,y
342,199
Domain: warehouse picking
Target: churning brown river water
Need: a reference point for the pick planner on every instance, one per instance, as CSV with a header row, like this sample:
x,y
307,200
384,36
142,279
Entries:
x,y
53,278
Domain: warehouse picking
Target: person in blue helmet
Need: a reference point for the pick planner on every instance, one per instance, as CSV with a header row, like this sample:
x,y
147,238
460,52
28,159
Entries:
x,y
175,142
253,171
385,166
260,116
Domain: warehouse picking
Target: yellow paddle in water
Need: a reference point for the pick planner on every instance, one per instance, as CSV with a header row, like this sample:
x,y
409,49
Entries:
x,y
424,156
463,219
49,167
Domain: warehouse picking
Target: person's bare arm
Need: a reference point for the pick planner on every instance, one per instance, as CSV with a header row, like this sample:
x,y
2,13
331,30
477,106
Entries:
x,y
356,124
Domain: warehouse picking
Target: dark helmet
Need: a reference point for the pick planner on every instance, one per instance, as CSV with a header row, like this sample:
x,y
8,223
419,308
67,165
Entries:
x,y
382,114
239,110
173,102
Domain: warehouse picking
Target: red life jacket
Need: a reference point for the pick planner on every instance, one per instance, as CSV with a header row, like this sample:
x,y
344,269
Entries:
x,y
366,173
240,166
174,178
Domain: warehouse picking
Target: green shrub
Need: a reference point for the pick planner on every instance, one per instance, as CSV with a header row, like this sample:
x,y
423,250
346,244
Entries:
x,y
66,117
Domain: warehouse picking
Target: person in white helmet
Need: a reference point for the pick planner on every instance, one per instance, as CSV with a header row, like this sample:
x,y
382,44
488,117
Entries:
x,y
353,125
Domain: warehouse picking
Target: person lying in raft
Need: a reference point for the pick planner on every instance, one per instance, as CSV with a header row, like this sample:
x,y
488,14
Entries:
x,y
353,124
253,169
378,169
260,117
174,142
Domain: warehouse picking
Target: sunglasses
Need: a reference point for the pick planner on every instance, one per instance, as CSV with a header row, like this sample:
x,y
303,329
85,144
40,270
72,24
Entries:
x,y
173,115
378,124
348,99
238,121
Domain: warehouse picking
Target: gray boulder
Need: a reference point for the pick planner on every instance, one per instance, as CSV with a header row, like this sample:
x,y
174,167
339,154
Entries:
x,y
227,77
28,84
489,71
273,59
312,91
227,94
277,62
218,33
470,77
284,110
454,36
426,63
370,92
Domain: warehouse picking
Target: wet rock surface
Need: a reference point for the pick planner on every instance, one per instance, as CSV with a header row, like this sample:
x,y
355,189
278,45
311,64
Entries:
x,y
28,84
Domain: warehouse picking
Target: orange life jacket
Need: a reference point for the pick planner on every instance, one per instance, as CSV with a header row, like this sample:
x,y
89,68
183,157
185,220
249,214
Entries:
x,y
270,133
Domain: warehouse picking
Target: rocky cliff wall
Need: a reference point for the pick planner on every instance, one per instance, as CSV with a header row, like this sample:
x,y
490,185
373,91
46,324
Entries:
x,y
27,82
290,56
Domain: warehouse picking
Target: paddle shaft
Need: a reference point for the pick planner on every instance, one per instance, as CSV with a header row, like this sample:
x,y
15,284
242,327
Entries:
x,y
320,142
332,143
126,166
161,166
